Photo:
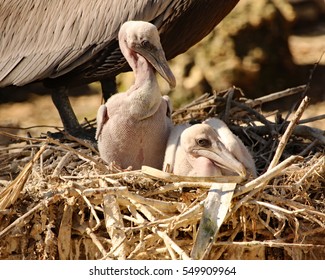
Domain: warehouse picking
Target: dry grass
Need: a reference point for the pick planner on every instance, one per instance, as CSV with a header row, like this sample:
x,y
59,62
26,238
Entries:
x,y
58,200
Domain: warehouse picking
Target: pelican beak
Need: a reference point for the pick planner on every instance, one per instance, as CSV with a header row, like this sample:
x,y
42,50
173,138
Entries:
x,y
221,157
157,59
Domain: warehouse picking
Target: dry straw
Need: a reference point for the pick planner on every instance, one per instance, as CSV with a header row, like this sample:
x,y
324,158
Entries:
x,y
58,200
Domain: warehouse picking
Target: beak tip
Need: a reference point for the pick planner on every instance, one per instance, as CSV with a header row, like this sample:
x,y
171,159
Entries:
x,y
172,84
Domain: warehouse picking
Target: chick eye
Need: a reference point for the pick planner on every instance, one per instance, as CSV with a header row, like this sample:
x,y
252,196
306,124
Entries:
x,y
202,142
146,44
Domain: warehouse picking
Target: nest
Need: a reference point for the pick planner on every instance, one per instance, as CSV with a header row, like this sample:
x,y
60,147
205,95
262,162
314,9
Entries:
x,y
58,200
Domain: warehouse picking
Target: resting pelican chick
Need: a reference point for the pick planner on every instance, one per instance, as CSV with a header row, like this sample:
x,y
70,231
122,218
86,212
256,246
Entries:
x,y
207,149
233,144
133,127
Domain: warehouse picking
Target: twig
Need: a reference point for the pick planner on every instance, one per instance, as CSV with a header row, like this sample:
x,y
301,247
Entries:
x,y
92,210
114,224
285,138
166,206
311,170
57,143
309,148
310,78
275,171
228,105
270,243
299,130
263,181
14,136
81,142
64,236
276,95
10,194
276,208
257,115
94,240
40,205
105,190
79,154
63,162
312,119
158,174
230,239
171,244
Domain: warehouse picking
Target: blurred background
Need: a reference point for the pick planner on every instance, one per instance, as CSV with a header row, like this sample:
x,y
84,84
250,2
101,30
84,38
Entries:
x,y
262,46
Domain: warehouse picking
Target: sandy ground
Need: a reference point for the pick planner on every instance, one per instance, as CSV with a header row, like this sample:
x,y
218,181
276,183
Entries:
x,y
41,112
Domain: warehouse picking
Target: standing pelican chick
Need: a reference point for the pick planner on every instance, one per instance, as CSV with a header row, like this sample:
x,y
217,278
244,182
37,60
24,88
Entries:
x,y
133,127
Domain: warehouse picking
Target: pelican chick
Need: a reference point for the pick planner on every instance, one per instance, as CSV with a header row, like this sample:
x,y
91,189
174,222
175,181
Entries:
x,y
133,127
233,144
207,149
200,152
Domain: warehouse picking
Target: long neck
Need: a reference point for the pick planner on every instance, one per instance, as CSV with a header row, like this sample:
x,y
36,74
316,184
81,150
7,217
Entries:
x,y
144,74
145,92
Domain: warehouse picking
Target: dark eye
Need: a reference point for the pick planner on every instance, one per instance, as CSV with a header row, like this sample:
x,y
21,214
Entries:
x,y
146,44
202,142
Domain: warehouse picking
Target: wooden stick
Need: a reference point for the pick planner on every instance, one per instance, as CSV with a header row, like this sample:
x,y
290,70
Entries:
x,y
276,208
10,194
114,223
320,162
285,137
64,236
16,223
92,210
106,190
275,171
270,243
156,173
171,243
63,162
276,95
312,119
95,240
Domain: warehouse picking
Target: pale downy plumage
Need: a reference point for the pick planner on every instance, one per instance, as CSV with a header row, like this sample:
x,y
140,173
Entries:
x,y
207,149
233,144
133,127
73,42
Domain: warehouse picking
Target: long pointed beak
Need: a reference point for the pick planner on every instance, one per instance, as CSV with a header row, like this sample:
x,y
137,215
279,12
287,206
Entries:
x,y
158,60
223,158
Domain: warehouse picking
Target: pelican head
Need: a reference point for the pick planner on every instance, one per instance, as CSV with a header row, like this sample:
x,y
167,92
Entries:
x,y
206,153
142,38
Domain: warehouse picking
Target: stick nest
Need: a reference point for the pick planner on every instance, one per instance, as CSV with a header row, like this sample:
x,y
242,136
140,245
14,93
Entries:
x,y
58,200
